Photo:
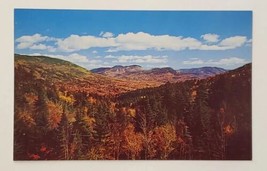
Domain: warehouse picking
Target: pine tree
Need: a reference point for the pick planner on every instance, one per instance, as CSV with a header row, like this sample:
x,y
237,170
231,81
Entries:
x,y
64,137
101,128
201,127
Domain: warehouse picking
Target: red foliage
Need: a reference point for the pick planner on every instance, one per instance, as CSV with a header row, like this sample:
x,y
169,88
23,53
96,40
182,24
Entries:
x,y
43,148
34,156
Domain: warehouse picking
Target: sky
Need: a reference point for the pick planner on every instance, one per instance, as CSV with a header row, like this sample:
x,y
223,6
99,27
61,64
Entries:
x,y
102,38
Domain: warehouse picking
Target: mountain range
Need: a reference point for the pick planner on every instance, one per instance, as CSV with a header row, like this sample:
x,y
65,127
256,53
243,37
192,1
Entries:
x,y
157,76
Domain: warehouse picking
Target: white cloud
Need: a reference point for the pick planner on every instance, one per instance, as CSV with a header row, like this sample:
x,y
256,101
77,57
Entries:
x,y
94,52
130,42
76,43
76,58
34,42
144,41
193,62
28,41
110,57
210,38
232,61
42,47
106,34
149,66
34,38
226,44
249,41
38,47
138,59
228,61
233,42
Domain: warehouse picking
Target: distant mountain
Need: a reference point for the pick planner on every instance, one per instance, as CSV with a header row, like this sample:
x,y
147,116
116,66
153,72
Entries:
x,y
117,70
162,70
203,71
157,76
100,70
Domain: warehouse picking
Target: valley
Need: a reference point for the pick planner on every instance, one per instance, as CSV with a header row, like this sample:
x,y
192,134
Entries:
x,y
64,111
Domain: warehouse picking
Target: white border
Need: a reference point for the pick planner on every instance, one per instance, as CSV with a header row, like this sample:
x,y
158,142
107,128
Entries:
x,y
259,85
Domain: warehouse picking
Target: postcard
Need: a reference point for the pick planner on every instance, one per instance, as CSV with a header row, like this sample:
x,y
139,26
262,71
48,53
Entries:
x,y
132,85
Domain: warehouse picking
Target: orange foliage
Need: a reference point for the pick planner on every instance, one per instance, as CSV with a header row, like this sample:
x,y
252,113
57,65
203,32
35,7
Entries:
x,y
228,130
163,138
54,115
112,107
30,98
91,100
194,94
26,119
133,141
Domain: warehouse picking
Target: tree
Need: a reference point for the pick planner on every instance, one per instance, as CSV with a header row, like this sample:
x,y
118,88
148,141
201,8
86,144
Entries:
x,y
201,127
101,127
65,132
133,142
163,140
54,115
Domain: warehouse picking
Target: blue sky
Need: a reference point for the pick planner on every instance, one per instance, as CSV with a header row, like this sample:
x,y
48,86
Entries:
x,y
177,39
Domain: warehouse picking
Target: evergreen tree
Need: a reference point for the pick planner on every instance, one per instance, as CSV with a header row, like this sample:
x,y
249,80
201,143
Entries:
x,y
101,128
201,127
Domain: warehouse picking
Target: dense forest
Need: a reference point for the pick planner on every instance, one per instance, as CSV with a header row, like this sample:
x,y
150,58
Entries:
x,y
198,119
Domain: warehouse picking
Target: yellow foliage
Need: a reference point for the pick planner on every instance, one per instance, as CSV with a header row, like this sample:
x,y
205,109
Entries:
x,y
97,153
89,120
132,112
65,98
163,138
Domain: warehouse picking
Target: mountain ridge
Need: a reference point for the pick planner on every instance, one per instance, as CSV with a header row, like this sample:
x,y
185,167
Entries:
x,y
162,75
127,68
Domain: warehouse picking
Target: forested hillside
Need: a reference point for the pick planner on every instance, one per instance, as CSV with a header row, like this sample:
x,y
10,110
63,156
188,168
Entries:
x,y
207,119
70,115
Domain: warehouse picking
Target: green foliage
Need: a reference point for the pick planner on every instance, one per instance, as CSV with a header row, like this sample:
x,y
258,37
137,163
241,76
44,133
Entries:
x,y
101,128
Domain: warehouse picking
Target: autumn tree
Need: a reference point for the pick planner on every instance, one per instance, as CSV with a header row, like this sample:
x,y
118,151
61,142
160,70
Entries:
x,y
133,142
